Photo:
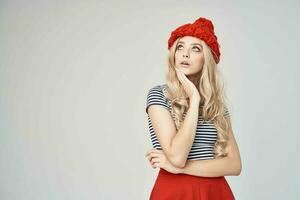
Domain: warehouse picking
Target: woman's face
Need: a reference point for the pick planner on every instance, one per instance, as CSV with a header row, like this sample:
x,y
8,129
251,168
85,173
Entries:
x,y
189,50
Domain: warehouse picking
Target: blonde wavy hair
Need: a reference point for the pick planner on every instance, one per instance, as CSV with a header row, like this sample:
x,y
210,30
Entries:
x,y
212,105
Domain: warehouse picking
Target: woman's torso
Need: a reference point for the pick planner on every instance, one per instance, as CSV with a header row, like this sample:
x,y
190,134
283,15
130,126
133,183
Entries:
x,y
205,136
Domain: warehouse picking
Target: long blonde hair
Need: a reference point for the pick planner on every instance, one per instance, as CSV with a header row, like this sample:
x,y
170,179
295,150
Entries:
x,y
212,105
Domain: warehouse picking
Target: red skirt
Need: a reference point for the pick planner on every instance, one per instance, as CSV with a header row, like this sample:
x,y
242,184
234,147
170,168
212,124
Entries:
x,y
170,186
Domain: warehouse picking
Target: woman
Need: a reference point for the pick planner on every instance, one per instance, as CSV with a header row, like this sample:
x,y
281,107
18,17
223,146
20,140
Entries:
x,y
189,123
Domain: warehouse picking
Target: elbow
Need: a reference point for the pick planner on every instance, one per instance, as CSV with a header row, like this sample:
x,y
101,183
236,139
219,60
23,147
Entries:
x,y
237,168
237,172
178,162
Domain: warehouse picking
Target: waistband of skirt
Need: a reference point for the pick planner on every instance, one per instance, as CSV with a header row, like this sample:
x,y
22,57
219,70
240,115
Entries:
x,y
164,172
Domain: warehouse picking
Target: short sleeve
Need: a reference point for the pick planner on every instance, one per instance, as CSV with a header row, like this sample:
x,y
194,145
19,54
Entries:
x,y
226,112
155,96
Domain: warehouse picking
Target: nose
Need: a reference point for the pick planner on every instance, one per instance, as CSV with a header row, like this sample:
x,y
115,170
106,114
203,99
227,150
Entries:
x,y
185,54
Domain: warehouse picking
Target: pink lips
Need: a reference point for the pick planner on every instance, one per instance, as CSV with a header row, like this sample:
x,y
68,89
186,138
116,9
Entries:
x,y
185,64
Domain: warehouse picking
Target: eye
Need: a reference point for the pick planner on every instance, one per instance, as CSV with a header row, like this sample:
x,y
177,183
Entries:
x,y
179,46
196,48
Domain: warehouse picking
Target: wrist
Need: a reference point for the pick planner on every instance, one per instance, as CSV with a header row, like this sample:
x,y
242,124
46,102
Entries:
x,y
194,103
194,99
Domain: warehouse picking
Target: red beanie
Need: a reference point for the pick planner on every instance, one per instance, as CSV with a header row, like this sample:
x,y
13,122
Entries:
x,y
203,29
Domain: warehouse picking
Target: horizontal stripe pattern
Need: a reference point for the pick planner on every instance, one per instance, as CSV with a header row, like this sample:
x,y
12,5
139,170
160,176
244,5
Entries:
x,y
206,133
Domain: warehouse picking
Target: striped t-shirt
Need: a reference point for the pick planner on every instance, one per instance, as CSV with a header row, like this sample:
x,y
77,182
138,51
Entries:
x,y
206,133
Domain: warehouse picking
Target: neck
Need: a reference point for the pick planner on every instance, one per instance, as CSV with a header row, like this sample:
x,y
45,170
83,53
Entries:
x,y
194,79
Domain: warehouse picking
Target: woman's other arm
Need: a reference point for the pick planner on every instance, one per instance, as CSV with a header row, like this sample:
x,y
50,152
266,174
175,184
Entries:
x,y
230,165
175,144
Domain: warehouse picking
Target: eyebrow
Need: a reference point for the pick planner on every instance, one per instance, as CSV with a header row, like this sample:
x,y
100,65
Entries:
x,y
192,43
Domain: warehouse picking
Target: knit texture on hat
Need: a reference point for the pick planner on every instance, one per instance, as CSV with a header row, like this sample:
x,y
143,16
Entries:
x,y
203,29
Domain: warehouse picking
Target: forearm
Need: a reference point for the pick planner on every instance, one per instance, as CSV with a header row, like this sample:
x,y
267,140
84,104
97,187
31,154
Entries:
x,y
182,142
226,166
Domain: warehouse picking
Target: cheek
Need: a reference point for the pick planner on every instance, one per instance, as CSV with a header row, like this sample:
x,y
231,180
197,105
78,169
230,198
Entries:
x,y
199,60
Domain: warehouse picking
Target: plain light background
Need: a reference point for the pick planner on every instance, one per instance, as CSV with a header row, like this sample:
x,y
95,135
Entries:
x,y
73,82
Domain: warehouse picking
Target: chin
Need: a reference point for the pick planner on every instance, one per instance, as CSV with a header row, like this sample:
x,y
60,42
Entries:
x,y
186,70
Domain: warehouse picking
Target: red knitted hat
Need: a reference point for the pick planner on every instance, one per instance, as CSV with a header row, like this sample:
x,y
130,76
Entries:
x,y
203,29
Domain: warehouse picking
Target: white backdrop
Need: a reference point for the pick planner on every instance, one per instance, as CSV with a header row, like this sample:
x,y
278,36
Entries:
x,y
73,82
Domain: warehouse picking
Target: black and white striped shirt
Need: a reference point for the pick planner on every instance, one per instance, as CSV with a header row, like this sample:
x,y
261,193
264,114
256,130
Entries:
x,y
206,133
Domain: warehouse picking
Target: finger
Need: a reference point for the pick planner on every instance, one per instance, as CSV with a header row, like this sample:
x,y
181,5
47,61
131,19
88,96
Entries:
x,y
149,151
186,83
179,75
155,160
154,155
155,164
148,158
155,151
182,77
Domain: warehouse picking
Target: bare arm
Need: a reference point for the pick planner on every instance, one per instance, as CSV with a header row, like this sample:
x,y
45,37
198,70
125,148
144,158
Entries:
x,y
176,145
226,166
